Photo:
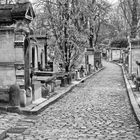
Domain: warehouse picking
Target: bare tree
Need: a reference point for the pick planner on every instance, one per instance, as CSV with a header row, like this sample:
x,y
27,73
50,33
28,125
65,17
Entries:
x,y
98,11
73,23
131,15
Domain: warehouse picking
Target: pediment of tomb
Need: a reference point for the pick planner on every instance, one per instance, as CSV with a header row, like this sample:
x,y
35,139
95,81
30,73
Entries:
x,y
11,13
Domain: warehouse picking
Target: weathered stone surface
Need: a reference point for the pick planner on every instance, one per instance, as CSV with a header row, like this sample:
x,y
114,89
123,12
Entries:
x,y
4,96
14,94
16,130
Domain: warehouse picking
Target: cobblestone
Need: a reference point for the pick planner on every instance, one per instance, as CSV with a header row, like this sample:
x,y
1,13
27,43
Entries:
x,y
8,120
97,109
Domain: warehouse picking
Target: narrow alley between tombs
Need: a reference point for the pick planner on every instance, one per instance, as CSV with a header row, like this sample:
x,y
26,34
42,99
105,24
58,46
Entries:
x,y
98,109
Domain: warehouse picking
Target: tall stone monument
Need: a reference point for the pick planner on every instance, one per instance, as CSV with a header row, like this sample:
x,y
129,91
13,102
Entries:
x,y
15,46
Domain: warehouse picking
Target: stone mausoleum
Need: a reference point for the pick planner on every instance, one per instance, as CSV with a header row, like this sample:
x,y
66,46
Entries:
x,y
18,52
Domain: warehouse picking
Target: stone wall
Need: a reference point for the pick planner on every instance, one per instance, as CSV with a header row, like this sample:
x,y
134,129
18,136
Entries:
x,y
7,76
7,57
7,52
19,55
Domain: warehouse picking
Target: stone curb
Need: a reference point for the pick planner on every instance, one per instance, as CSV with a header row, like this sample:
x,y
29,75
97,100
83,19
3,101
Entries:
x,y
132,98
46,103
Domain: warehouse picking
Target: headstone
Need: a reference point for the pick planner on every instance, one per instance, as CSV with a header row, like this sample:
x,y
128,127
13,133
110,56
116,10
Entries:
x,y
14,94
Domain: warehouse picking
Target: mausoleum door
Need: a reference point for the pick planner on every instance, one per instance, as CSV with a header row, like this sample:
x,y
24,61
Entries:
x,y
35,58
43,60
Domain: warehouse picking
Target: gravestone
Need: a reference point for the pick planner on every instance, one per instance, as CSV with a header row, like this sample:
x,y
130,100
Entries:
x,y
14,95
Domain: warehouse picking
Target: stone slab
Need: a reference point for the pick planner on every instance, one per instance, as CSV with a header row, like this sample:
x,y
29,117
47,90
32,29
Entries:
x,y
27,121
32,118
17,130
38,101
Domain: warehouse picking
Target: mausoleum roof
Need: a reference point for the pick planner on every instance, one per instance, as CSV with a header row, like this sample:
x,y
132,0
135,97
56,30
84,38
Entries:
x,y
5,13
20,10
5,16
11,12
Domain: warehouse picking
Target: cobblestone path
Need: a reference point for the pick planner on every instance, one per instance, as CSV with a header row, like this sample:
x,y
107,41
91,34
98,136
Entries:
x,y
97,109
8,120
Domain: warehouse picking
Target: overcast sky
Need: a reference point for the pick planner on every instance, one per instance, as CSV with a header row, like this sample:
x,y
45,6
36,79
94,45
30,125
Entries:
x,y
112,1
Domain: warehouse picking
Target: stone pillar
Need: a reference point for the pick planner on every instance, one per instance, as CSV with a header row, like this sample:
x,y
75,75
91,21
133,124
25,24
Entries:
x,y
23,97
36,58
27,64
111,55
77,75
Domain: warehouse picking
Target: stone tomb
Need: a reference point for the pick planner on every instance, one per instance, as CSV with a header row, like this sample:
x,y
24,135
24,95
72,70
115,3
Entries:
x,y
116,54
18,52
135,52
89,60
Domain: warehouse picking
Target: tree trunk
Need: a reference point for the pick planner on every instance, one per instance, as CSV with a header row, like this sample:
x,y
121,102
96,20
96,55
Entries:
x,y
66,68
66,37
91,41
134,19
45,50
91,37
97,33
